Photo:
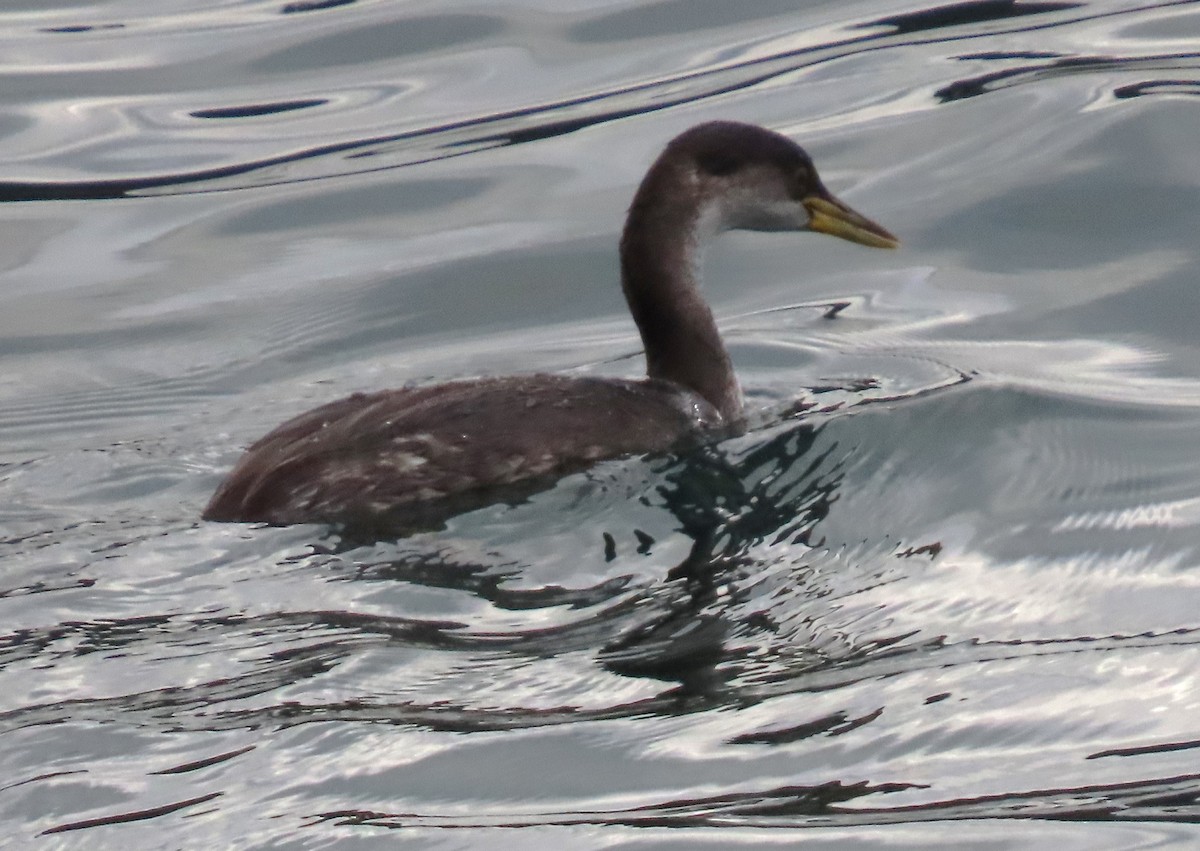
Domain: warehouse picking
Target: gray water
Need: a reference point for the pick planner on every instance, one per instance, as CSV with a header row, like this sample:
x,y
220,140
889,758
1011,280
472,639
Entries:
x,y
945,594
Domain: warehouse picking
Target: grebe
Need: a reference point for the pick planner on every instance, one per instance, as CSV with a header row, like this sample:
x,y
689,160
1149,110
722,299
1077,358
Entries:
x,y
411,458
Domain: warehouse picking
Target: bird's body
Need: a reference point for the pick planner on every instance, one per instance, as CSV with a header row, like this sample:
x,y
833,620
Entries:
x,y
412,457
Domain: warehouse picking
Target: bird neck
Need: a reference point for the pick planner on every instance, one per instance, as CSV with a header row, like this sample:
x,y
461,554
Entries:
x,y
660,257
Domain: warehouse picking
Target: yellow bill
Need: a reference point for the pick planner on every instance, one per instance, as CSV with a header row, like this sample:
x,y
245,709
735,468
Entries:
x,y
827,214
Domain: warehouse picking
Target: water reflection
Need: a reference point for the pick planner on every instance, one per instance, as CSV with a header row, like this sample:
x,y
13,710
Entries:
x,y
971,601
1060,65
558,116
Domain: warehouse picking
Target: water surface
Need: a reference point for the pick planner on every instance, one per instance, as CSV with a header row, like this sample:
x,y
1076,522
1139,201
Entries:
x,y
943,595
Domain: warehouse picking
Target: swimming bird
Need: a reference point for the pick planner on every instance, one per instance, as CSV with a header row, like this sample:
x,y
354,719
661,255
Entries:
x,y
410,458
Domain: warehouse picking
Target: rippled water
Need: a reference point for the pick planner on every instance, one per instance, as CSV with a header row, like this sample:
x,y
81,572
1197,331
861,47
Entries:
x,y
953,604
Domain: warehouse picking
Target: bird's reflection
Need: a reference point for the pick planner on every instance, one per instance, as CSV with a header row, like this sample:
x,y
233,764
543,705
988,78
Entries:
x,y
727,499
727,503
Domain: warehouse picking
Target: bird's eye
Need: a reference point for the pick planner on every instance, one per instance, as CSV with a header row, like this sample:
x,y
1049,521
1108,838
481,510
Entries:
x,y
801,181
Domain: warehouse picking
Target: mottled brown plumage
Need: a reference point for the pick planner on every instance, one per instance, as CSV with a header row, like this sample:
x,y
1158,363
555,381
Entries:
x,y
418,455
